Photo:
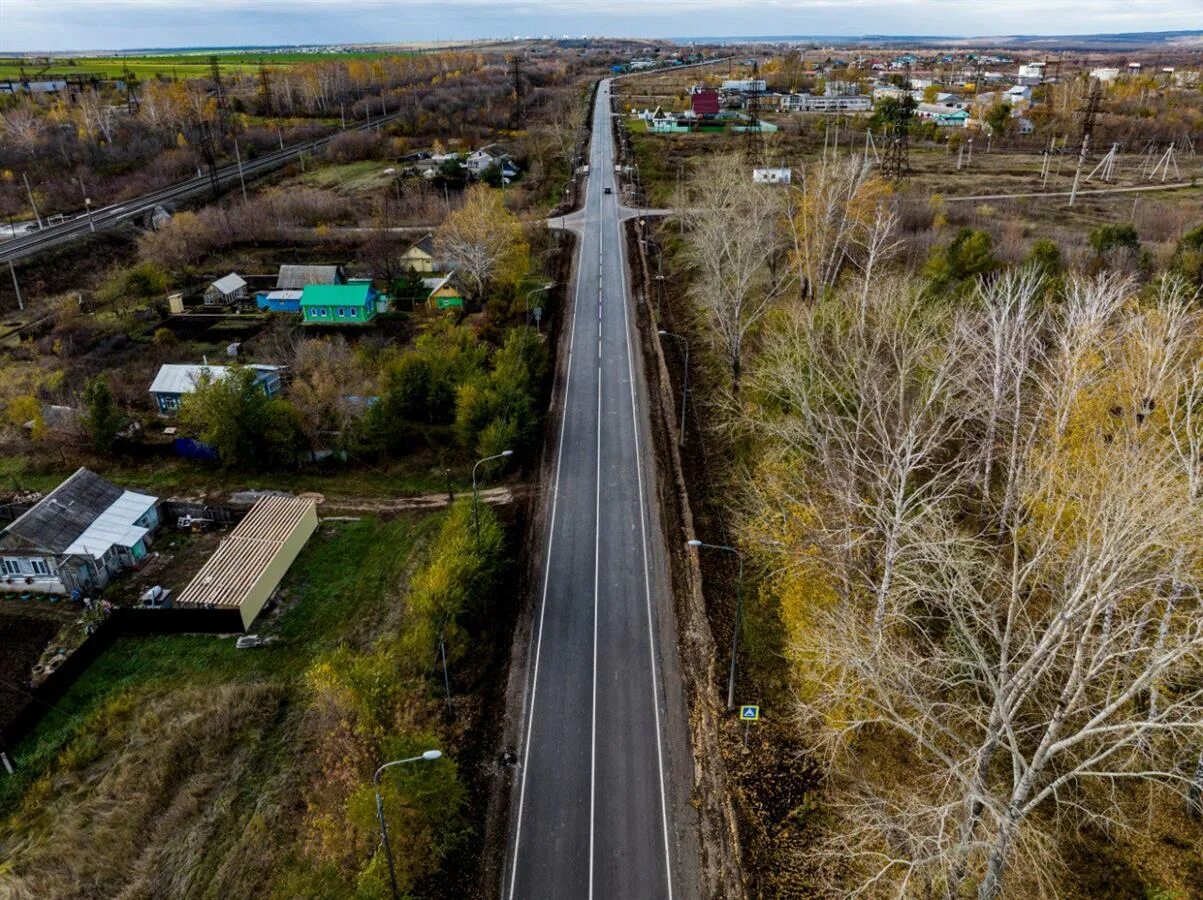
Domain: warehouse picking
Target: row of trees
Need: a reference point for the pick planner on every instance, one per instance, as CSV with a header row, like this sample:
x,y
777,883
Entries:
x,y
984,524
450,389
977,502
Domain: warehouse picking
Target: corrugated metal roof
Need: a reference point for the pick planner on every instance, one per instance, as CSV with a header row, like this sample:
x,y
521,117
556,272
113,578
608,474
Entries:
x,y
336,295
704,103
296,278
284,295
66,513
115,526
230,574
182,379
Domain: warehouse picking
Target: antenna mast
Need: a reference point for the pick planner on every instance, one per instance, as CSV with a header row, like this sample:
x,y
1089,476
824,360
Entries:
x,y
517,118
1089,114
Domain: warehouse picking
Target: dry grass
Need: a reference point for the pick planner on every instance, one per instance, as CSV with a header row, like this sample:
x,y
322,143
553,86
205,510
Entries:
x,y
164,796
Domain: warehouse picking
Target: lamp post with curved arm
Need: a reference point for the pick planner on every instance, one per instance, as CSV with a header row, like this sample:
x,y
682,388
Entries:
x,y
429,755
526,300
739,606
475,499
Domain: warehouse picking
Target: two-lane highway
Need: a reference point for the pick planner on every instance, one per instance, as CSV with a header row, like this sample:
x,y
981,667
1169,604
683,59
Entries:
x,y
602,802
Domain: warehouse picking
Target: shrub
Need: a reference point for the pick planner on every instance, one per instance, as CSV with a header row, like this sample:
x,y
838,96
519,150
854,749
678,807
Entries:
x,y
1109,238
969,255
237,419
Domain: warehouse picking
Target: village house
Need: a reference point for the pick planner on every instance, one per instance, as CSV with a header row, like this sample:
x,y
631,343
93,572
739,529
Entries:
x,y
479,160
943,116
772,176
77,537
824,103
174,381
226,291
339,304
420,256
704,103
443,292
297,278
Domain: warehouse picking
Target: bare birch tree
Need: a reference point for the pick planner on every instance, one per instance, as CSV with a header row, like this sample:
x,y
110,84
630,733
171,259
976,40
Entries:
x,y
733,250
1024,669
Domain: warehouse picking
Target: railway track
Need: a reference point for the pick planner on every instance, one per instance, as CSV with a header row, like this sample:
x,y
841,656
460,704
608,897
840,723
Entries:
x,y
118,214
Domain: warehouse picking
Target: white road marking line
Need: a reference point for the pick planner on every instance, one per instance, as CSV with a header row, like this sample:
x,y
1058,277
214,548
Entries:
x,y
555,497
647,582
596,579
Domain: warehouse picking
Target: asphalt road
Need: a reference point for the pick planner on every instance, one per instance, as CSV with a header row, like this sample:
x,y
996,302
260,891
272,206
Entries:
x,y
602,805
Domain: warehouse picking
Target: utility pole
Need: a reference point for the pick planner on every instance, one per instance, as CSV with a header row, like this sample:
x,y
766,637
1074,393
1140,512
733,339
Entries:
x,y
16,287
29,193
242,181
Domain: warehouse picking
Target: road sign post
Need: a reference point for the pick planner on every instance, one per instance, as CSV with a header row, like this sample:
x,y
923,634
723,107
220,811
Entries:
x,y
749,714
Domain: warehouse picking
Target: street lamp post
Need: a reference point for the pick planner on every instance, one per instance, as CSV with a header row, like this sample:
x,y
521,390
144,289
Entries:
x,y
526,299
388,852
739,607
475,499
684,383
88,205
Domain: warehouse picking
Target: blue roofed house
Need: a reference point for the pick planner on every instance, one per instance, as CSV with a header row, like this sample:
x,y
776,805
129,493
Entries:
x,y
174,381
77,537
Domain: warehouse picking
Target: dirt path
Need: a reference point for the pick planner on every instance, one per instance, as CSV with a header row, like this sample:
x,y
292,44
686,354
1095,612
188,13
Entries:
x,y
497,496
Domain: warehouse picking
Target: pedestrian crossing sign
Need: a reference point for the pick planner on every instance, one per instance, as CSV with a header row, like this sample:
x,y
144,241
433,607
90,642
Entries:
x,y
749,713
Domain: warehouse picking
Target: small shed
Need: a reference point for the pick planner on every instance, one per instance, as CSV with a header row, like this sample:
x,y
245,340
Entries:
x,y
297,278
288,301
442,292
250,563
225,291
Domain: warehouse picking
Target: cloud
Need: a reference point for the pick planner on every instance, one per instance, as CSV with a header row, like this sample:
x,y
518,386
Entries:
x,y
112,24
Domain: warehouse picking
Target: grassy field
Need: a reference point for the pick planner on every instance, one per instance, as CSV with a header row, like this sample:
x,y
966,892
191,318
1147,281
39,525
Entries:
x,y
363,177
180,766
418,473
178,65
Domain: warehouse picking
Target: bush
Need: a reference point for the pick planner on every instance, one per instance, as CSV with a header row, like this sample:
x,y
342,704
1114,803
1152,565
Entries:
x,y
1107,239
971,254
164,337
1045,257
102,418
1188,257
237,419
500,412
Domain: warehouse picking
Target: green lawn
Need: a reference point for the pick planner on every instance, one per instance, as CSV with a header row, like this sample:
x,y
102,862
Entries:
x,y
353,178
179,65
341,585
421,472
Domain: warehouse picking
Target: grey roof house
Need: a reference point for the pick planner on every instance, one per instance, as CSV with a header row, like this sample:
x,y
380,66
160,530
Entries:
x,y
174,381
297,278
77,537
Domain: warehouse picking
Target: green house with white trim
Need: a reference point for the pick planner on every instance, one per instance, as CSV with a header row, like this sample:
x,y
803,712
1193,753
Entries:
x,y
338,304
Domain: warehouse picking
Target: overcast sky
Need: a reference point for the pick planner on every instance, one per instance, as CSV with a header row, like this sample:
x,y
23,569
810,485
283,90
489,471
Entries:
x,y
116,24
